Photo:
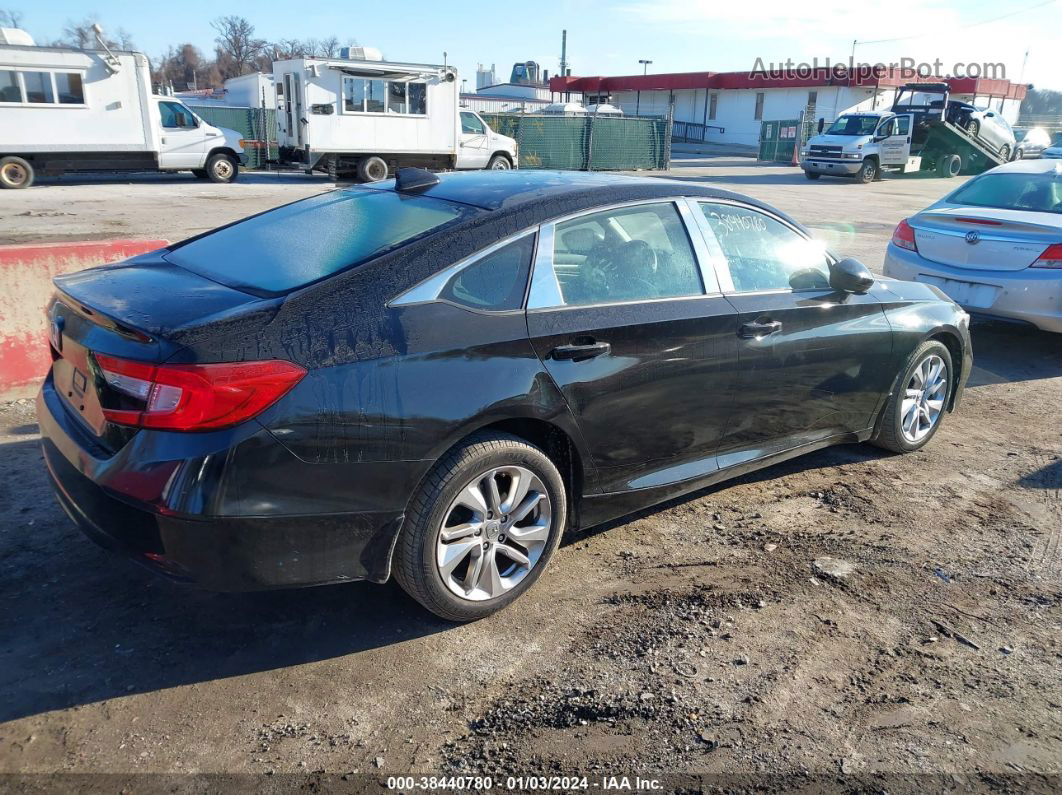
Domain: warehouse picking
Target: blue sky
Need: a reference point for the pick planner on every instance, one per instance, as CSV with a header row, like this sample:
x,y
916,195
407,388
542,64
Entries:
x,y
609,37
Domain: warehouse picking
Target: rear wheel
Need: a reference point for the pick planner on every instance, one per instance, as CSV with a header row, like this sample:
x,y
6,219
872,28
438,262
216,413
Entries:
x,y
868,172
949,166
222,168
15,173
1004,152
812,174
482,527
916,408
1019,154
372,169
973,127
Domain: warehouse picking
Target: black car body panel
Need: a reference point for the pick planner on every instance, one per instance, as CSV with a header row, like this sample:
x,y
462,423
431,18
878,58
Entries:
x,y
314,488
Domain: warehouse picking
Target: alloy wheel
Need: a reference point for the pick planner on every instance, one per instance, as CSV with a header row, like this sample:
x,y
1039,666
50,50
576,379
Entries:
x,y
493,533
924,398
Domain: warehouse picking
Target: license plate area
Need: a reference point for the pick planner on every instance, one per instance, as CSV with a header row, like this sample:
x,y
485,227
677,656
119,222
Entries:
x,y
971,294
74,380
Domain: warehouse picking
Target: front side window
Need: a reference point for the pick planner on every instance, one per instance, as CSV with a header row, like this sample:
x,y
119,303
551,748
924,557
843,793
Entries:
x,y
175,116
496,281
625,254
765,254
9,87
69,87
38,87
300,243
471,124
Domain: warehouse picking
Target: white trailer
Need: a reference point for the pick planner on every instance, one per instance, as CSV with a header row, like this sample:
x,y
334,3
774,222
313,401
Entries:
x,y
370,117
65,109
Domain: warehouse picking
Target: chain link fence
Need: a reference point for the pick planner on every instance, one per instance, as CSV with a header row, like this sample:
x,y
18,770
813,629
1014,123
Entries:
x,y
257,126
587,143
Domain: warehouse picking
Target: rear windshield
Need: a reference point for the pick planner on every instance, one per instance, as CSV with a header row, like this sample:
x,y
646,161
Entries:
x,y
1036,192
300,243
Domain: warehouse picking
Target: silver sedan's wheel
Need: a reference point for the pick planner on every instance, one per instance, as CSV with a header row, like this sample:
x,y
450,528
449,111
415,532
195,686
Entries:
x,y
923,399
494,533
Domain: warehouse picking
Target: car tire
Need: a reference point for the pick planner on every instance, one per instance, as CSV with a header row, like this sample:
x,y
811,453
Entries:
x,y
499,162
466,591
1004,153
973,127
15,173
895,428
868,172
372,169
1019,154
812,174
222,168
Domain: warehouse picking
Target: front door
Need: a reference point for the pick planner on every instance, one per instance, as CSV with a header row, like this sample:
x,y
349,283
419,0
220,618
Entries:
x,y
473,151
813,362
895,147
182,144
634,332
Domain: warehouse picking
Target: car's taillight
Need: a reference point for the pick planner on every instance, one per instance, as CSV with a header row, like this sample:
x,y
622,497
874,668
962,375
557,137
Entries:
x,y
1051,258
194,397
904,236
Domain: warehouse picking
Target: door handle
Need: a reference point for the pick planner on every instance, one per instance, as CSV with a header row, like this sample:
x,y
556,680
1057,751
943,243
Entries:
x,y
757,330
580,352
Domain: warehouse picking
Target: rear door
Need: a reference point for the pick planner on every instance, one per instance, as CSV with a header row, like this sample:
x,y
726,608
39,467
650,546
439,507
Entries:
x,y
182,144
626,315
813,362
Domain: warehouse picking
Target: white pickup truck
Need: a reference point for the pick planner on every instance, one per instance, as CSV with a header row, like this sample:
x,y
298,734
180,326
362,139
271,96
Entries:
x,y
67,109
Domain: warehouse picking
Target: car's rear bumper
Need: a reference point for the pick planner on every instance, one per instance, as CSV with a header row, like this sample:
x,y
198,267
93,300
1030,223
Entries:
x,y
1031,295
839,168
225,553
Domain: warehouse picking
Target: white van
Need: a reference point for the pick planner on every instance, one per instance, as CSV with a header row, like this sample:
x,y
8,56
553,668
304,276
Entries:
x,y
66,109
369,117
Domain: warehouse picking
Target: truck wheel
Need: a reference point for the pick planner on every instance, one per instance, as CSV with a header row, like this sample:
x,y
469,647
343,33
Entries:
x,y
949,166
868,172
372,169
15,173
499,163
812,174
222,168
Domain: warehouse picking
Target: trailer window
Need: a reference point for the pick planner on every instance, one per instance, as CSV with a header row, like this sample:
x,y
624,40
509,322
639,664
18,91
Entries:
x,y
9,88
292,246
38,87
362,95
374,96
353,95
70,89
418,99
396,97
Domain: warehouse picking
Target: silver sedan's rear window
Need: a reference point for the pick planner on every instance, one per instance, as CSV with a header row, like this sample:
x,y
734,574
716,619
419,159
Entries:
x,y
292,246
1031,192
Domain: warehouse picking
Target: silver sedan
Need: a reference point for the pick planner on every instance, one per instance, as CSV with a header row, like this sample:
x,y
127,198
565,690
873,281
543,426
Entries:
x,y
994,245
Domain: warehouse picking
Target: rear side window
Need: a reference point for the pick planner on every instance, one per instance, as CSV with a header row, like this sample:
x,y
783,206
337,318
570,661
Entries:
x,y
496,281
291,246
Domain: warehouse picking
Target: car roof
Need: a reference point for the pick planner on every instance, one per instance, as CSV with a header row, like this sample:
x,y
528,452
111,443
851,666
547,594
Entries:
x,y
494,190
1029,167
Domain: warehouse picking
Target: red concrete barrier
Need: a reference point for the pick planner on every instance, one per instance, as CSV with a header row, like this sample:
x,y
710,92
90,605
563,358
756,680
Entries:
x,y
26,275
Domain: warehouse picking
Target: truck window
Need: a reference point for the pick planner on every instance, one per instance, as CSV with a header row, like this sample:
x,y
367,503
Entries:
x,y
292,246
853,125
374,96
175,116
9,88
70,88
471,124
38,87
418,99
396,97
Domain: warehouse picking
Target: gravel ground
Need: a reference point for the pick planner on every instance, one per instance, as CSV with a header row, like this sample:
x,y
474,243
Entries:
x,y
720,635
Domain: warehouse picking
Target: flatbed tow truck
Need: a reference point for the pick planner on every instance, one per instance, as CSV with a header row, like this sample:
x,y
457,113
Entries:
x,y
918,135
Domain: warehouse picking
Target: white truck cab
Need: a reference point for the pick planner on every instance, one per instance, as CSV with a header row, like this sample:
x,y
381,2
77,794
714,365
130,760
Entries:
x,y
187,143
481,147
859,145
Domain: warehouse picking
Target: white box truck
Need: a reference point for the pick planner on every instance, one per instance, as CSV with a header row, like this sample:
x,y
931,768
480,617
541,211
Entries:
x,y
65,109
369,117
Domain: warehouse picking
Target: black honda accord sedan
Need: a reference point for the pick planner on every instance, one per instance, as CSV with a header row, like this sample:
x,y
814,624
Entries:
x,y
434,377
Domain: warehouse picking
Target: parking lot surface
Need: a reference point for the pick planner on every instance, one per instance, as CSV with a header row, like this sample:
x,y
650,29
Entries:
x,y
700,637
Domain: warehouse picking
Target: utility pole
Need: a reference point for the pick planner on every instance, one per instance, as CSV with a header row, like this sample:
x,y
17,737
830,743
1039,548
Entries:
x,y
645,66
564,59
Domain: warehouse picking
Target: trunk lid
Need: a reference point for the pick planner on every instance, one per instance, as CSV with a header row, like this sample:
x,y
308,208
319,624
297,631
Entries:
x,y
131,310
983,238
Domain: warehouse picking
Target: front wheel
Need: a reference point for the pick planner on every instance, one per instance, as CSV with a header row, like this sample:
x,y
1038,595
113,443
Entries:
x,y
499,163
482,527
868,172
15,173
1004,153
222,168
916,407
973,127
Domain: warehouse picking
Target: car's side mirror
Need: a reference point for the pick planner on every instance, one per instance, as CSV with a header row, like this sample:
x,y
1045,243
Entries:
x,y
850,276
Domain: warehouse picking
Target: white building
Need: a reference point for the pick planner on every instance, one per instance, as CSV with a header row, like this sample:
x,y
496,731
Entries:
x,y
729,107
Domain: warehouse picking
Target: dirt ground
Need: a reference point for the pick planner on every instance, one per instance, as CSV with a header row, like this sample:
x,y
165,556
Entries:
x,y
700,639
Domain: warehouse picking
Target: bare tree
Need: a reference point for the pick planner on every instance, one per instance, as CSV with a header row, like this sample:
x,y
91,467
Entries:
x,y
237,47
10,18
81,35
329,47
